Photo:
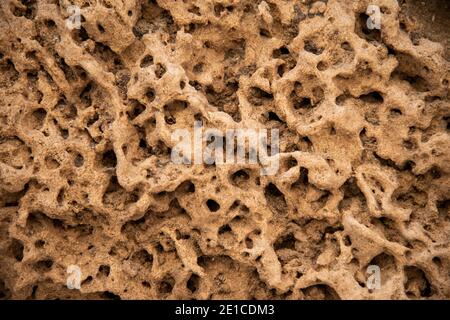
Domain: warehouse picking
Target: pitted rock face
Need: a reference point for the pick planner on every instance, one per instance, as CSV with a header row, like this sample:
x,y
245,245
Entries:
x,y
86,177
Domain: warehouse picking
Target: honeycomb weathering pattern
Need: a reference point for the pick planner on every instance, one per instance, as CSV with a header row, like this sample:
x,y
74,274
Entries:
x,y
85,139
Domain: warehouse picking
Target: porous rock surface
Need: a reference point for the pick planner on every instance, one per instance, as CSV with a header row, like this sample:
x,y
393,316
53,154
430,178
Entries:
x,y
86,117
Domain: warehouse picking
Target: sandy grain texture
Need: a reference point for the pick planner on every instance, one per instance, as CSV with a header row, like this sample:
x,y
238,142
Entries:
x,y
86,117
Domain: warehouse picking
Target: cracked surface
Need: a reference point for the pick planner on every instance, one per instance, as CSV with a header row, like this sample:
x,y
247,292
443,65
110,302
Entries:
x,y
86,117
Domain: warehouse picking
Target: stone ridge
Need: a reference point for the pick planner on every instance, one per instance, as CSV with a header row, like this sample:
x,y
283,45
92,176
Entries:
x,y
86,178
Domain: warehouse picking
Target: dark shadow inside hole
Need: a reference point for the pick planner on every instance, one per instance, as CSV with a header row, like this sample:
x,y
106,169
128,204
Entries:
x,y
258,96
110,295
166,286
16,248
240,176
417,284
320,292
104,270
277,53
193,283
147,61
272,116
224,229
150,94
212,205
79,160
137,109
186,187
285,242
43,265
5,293
264,33
109,159
275,199
363,31
100,28
303,103
372,97
311,47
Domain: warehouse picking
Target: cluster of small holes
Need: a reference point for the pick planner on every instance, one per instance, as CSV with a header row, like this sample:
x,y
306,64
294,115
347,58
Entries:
x,y
98,154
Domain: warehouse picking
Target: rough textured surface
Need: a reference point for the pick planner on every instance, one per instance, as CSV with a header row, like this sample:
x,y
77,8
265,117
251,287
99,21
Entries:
x,y
85,171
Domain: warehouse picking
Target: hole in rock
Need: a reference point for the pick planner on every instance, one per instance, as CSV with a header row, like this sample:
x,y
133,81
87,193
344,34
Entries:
x,y
193,283
320,292
213,206
109,159
16,248
417,284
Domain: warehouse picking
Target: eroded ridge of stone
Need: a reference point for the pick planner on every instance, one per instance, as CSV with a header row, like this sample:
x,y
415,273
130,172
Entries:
x,y
86,117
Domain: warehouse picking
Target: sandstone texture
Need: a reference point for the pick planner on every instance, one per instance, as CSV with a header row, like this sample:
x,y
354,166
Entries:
x,y
86,178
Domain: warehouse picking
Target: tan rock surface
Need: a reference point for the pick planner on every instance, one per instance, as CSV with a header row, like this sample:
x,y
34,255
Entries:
x,y
86,117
